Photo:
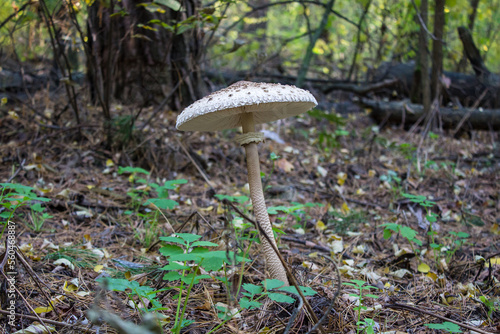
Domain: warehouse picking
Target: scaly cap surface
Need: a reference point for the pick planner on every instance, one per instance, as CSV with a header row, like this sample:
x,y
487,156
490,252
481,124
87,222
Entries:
x,y
222,109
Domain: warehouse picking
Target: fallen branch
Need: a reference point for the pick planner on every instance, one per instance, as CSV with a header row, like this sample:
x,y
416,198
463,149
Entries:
x,y
409,113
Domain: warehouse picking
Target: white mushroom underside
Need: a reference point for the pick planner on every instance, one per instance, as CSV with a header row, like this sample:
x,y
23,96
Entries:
x,y
222,109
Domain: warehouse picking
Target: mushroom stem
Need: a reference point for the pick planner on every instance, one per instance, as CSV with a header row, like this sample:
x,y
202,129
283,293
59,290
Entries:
x,y
274,265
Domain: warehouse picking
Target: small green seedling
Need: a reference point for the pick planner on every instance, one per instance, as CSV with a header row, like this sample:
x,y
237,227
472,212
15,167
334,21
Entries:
x,y
366,324
14,196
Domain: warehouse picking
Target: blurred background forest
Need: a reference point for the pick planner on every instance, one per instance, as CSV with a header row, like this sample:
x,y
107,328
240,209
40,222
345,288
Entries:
x,y
168,53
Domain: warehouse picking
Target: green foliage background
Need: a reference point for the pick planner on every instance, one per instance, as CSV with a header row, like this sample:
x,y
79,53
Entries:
x,y
282,39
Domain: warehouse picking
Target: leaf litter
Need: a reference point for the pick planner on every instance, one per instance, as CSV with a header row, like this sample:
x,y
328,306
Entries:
x,y
432,260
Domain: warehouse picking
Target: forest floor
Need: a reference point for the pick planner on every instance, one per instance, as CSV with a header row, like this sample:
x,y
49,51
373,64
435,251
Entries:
x,y
412,223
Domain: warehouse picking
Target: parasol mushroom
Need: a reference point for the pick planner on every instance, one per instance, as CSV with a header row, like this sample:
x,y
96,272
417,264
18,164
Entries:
x,y
246,104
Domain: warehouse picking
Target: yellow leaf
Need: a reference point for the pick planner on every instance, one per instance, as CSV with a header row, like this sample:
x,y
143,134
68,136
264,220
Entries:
x,y
341,177
4,100
432,276
43,309
345,208
320,226
360,191
313,255
220,209
13,114
69,287
98,268
423,268
210,208
90,187
109,163
494,261
495,229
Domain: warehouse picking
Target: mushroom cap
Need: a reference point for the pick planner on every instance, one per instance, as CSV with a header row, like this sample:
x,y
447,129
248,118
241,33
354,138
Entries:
x,y
222,109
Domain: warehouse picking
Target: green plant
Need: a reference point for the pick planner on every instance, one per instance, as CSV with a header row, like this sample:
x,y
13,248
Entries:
x,y
297,211
186,254
457,240
446,326
405,231
328,139
265,179
14,196
143,297
151,194
37,217
431,218
366,324
342,223
271,288
490,304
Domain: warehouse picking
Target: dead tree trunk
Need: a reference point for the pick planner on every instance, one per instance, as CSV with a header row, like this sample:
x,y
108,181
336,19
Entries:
x,y
490,80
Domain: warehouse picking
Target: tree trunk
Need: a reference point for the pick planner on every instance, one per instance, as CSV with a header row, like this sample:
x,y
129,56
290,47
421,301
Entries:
x,y
136,61
490,80
312,42
437,48
421,89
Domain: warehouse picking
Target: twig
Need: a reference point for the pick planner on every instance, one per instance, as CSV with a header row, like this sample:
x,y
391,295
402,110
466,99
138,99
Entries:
x,y
415,309
335,296
291,277
14,14
467,115
421,21
295,312
205,177
52,322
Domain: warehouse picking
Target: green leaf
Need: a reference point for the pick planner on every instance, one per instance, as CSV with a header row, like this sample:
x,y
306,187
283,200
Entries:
x,y
447,326
204,243
174,266
186,257
280,298
274,210
369,295
358,282
249,304
270,284
172,276
253,289
387,233
213,260
132,170
408,232
237,199
188,237
171,250
176,240
172,184
162,203
306,291
189,278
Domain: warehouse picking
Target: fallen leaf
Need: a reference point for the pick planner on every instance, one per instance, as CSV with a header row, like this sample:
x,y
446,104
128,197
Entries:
x,y
284,165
